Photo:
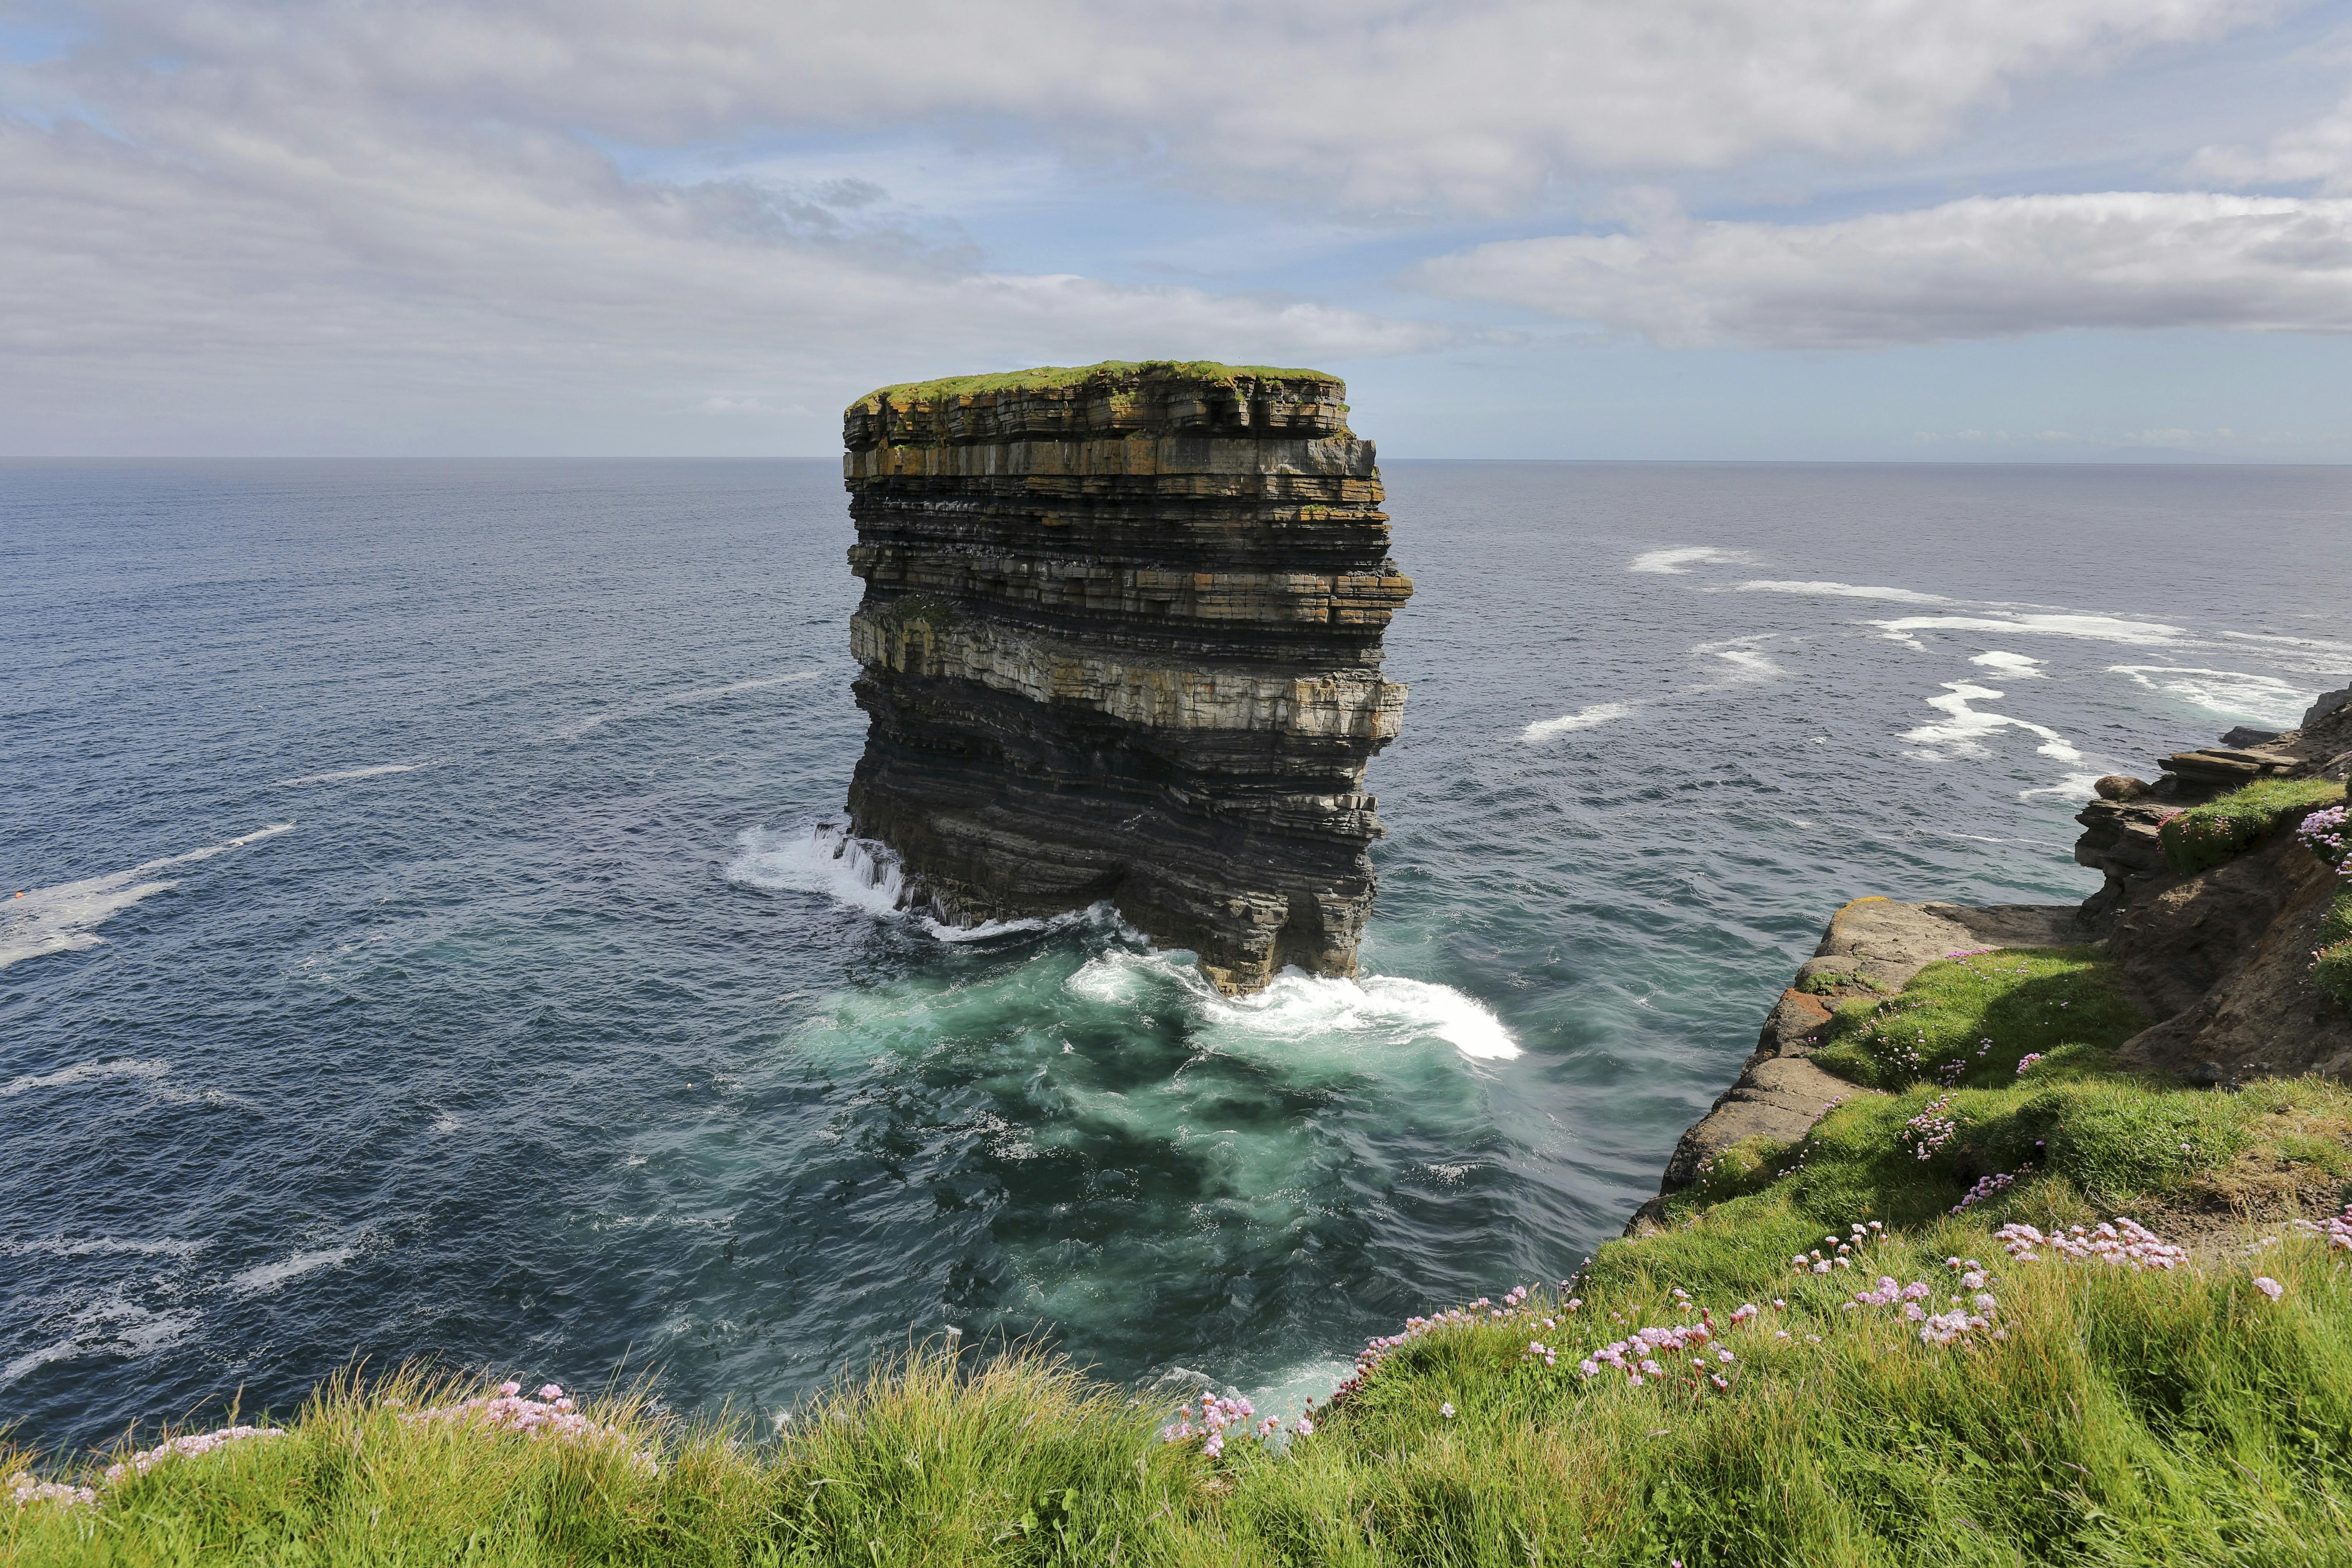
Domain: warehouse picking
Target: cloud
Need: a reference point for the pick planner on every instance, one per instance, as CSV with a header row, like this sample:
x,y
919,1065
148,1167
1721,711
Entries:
x,y
1368,103
428,225
1983,268
2318,152
193,276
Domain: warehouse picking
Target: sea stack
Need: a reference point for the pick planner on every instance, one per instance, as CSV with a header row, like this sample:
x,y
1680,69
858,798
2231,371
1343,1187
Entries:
x,y
1121,641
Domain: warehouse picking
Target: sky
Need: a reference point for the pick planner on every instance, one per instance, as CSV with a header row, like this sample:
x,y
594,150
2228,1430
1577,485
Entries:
x,y
1873,230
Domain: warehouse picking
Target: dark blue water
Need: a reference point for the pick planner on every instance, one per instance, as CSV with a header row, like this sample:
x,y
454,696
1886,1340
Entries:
x,y
535,1041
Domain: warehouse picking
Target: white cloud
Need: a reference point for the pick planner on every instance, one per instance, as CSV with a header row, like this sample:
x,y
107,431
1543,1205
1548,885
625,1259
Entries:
x,y
1367,102
427,224
1986,267
2320,150
214,273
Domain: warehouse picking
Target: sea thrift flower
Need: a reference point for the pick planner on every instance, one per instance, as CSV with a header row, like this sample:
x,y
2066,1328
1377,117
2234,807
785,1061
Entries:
x,y
1446,1410
1986,1186
186,1447
24,1490
2337,1229
2123,1243
2268,1287
1930,1129
2328,836
2026,1061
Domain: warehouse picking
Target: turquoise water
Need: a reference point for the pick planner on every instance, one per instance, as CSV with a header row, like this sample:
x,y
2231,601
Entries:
x,y
422,954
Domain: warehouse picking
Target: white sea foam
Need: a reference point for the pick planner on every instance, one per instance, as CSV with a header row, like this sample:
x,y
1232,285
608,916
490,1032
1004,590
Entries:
x,y
1677,562
1381,1007
1964,729
1583,719
2011,666
1750,665
2231,693
377,772
866,874
2073,786
1297,1007
825,859
986,930
268,1277
113,1325
84,1072
63,919
2319,653
653,705
1378,1010
2100,628
100,1246
1842,591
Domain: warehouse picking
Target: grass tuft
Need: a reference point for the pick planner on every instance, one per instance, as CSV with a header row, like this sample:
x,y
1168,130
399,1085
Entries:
x,y
2205,835
1972,1019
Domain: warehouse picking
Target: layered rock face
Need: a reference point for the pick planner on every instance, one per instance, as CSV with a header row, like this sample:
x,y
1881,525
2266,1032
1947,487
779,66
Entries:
x,y
2223,957
1121,640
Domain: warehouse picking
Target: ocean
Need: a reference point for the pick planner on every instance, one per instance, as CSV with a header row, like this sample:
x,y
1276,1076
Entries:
x,y
421,952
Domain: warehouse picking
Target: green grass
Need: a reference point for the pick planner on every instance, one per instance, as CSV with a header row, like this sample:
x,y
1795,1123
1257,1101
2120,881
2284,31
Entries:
x,y
1051,376
2205,835
2123,1419
2022,1000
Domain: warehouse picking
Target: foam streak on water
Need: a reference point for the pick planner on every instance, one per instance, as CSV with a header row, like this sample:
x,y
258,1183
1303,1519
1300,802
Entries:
x,y
587,1043
64,919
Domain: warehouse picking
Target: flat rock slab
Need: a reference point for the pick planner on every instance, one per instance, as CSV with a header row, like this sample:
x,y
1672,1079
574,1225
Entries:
x,y
1888,942
1780,1094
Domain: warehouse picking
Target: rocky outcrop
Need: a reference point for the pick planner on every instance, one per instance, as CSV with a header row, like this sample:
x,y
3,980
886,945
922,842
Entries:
x,y
2223,958
1121,640
1873,947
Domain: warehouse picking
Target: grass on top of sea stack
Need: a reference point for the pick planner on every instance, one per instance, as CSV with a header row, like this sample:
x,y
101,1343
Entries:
x,y
1828,1357
1052,377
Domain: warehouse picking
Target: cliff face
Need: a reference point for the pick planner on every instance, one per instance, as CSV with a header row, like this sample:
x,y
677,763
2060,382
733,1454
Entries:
x,y
2222,956
1121,640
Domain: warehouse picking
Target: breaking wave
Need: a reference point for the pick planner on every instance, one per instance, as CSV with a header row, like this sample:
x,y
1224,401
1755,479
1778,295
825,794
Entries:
x,y
823,859
2231,693
864,874
1299,1010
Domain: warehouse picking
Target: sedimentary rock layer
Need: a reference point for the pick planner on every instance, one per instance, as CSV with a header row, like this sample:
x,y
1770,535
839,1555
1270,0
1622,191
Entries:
x,y
1121,640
